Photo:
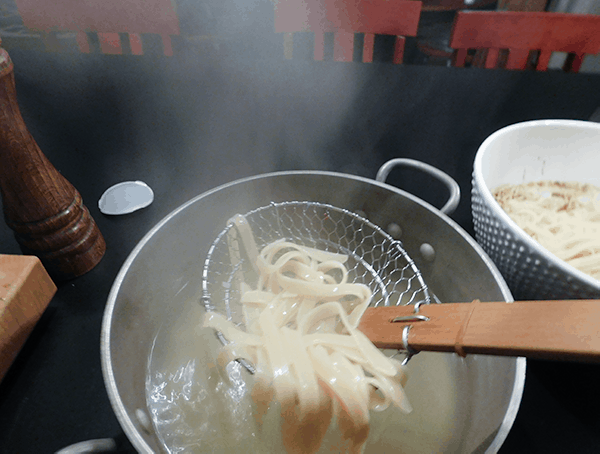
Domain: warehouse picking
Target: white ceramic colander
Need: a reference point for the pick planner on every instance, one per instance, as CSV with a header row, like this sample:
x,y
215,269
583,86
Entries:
x,y
565,150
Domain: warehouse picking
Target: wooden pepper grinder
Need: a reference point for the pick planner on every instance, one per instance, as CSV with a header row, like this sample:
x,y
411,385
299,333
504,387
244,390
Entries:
x,y
43,209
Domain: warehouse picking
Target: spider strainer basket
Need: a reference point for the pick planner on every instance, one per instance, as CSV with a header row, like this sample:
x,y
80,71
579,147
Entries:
x,y
374,257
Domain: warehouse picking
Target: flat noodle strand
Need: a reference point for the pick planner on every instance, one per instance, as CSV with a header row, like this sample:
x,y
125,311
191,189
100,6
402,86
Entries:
x,y
301,333
564,217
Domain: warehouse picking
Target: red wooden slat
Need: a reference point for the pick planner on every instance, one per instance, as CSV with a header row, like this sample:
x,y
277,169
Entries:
x,y
543,60
563,32
517,59
343,46
304,16
491,59
385,17
459,57
576,63
110,43
135,42
399,49
106,16
368,46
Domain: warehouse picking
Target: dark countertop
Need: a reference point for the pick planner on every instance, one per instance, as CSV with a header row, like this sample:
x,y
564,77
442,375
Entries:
x,y
185,125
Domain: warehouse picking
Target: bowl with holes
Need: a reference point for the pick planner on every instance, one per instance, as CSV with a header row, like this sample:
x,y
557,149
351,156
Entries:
x,y
542,150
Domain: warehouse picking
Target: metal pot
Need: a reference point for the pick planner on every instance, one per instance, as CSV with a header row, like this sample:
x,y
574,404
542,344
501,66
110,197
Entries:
x,y
163,273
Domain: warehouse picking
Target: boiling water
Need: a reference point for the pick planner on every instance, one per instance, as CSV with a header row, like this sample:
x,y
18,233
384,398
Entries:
x,y
197,408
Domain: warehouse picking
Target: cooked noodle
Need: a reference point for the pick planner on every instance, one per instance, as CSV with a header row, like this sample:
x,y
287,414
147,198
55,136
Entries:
x,y
564,217
301,334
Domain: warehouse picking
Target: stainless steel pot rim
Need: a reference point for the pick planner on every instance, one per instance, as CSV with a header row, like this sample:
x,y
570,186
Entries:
x,y
485,192
131,428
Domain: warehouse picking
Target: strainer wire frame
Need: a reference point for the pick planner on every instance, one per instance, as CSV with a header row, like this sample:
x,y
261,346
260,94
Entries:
x,y
391,250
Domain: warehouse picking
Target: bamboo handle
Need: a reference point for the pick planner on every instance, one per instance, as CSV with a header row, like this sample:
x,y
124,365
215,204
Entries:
x,y
562,330
43,209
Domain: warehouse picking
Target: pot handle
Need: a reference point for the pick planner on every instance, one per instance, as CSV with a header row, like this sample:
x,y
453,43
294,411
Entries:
x,y
450,183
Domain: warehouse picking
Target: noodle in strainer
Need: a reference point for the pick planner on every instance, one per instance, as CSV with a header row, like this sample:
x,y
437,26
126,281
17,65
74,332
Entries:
x,y
284,287
375,259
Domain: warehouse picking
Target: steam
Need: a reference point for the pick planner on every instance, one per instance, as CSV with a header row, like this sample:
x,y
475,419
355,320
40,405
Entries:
x,y
227,106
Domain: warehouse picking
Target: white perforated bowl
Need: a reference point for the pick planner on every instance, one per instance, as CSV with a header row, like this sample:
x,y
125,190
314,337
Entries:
x,y
564,150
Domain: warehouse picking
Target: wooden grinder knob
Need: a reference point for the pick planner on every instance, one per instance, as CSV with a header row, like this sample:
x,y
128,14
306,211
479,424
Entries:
x,y
43,209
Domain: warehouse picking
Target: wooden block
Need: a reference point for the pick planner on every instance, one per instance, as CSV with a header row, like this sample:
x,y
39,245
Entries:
x,y
25,291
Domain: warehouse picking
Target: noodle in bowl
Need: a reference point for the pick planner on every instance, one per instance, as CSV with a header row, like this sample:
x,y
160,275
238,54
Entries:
x,y
534,151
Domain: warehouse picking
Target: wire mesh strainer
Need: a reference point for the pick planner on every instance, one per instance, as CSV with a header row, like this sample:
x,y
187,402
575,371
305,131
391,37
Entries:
x,y
374,257
378,261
